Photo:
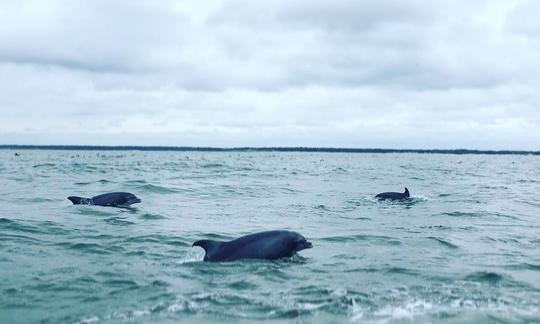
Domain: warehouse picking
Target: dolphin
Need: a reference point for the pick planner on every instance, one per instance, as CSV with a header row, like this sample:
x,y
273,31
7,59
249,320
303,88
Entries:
x,y
394,195
270,245
112,199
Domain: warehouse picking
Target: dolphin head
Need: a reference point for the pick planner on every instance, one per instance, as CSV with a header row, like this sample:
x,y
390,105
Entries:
x,y
132,199
299,242
127,200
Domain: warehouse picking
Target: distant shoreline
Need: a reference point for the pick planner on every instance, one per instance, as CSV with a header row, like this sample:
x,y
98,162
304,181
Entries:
x,y
262,149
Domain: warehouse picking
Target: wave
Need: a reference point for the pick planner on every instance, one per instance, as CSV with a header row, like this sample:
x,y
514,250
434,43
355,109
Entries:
x,y
400,270
83,247
38,200
94,210
247,302
480,214
214,166
322,207
528,181
35,227
156,189
380,239
149,216
191,256
105,181
160,239
100,181
122,283
83,166
43,165
6,221
485,277
20,239
214,236
462,214
443,242
137,182
523,266
118,221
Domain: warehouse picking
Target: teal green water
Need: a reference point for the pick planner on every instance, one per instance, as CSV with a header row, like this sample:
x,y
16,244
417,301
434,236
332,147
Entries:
x,y
466,248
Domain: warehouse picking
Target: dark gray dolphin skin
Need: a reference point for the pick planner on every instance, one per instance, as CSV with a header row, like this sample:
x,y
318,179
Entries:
x,y
112,199
394,195
269,245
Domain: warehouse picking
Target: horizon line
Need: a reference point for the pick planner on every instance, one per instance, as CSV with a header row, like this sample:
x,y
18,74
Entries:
x,y
263,149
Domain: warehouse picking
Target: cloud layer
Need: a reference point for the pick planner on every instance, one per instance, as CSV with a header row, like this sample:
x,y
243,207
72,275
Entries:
x,y
404,74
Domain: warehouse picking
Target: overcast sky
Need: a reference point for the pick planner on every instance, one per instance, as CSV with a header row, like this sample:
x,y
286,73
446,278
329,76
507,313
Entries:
x,y
358,73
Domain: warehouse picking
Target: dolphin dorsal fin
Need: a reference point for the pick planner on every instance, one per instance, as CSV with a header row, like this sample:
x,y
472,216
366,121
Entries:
x,y
80,200
406,193
209,247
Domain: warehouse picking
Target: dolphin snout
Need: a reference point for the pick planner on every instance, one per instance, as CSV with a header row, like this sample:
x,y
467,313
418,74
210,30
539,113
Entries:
x,y
308,245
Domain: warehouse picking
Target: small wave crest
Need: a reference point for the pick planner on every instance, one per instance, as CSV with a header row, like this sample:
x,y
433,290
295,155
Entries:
x,y
379,239
191,256
121,221
443,242
462,214
485,277
94,210
156,189
37,200
159,239
149,216
43,165
524,266
86,247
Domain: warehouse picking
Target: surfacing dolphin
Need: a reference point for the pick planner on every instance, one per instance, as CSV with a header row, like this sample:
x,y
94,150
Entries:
x,y
270,245
394,195
112,199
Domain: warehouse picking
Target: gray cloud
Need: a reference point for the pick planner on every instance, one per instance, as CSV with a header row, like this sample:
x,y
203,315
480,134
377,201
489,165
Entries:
x,y
346,73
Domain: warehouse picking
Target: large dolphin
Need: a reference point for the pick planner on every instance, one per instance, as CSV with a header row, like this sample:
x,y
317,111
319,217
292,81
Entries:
x,y
394,195
269,245
112,199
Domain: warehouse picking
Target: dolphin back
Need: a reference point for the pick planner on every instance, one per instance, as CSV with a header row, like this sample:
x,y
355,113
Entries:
x,y
394,195
111,199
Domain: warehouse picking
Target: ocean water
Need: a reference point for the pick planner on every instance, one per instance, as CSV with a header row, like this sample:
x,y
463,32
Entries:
x,y
465,248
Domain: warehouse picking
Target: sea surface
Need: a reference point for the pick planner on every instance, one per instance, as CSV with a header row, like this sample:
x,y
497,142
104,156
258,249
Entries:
x,y
464,248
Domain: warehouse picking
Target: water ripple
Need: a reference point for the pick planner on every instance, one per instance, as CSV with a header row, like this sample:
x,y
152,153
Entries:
x,y
443,242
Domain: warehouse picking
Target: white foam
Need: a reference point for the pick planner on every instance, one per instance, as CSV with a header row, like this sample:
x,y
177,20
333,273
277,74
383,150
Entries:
x,y
339,292
192,256
182,304
422,198
357,313
140,313
309,306
406,311
88,320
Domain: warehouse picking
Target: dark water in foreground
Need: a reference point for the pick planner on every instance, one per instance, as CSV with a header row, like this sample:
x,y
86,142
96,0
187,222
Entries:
x,y
466,248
